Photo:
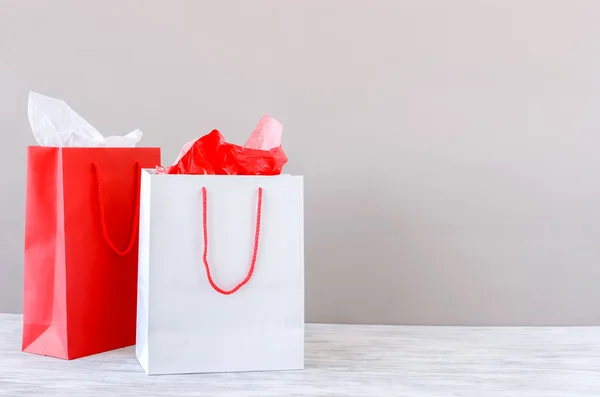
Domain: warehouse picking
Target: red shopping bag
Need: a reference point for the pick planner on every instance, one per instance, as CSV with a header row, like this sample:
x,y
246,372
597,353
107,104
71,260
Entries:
x,y
81,242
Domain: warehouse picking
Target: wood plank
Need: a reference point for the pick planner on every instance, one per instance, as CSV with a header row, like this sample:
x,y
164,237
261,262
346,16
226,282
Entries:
x,y
342,360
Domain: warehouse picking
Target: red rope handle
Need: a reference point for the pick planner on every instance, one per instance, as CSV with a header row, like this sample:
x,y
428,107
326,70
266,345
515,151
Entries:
x,y
136,214
254,251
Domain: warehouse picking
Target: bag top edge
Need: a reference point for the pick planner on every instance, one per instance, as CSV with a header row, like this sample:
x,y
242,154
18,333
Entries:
x,y
152,172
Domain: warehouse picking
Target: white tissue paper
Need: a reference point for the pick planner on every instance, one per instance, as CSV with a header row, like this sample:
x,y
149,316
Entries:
x,y
54,123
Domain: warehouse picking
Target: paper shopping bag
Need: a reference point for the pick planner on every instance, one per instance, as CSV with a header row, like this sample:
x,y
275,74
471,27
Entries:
x,y
221,273
81,241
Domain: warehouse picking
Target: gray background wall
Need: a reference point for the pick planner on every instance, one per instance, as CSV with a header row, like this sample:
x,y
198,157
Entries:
x,y
450,149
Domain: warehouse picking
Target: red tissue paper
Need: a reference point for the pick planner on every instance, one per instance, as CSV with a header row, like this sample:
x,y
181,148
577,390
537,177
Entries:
x,y
261,155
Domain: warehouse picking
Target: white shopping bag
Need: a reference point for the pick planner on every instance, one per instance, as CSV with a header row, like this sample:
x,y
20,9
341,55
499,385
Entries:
x,y
236,303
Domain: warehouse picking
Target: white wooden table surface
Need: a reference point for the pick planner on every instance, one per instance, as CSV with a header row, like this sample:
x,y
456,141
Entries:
x,y
342,360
